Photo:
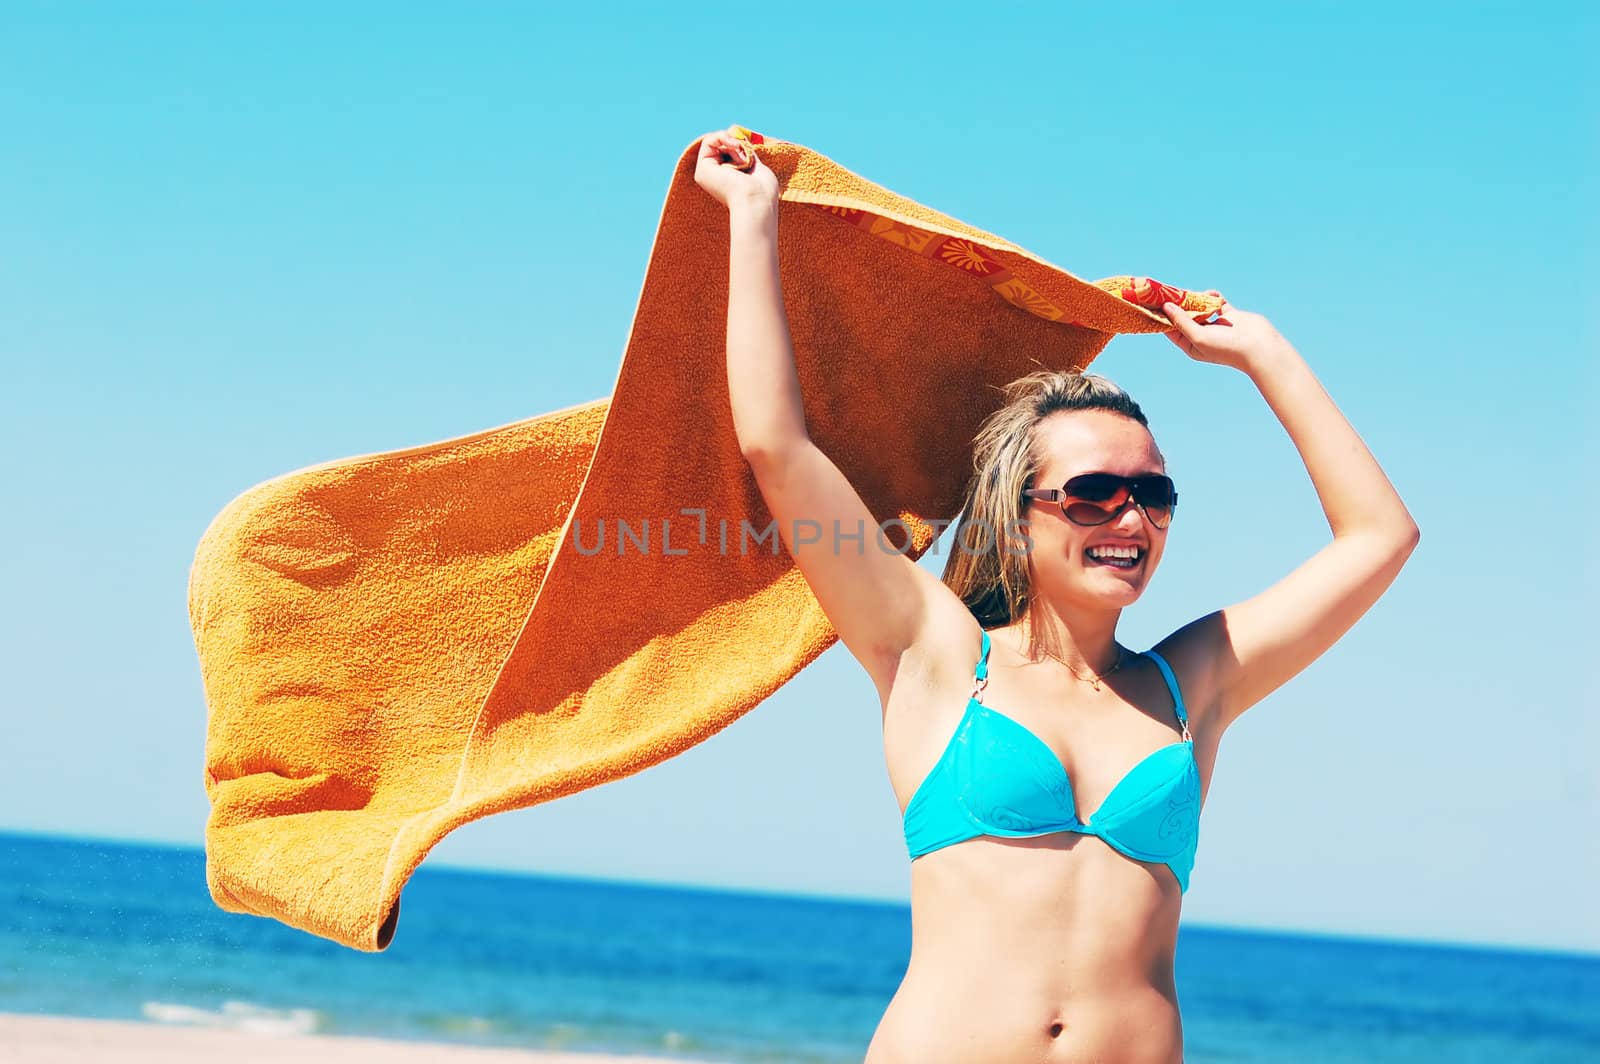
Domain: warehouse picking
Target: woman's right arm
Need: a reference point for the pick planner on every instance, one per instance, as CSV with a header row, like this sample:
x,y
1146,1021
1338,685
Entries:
x,y
878,600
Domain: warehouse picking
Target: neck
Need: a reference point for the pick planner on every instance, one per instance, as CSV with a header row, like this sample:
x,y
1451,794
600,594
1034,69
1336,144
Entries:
x,y
1086,642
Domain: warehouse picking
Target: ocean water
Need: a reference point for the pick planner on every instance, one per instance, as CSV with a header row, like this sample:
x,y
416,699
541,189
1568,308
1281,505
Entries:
x,y
128,931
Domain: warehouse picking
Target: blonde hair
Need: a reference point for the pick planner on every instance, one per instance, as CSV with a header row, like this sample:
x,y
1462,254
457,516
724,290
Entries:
x,y
991,577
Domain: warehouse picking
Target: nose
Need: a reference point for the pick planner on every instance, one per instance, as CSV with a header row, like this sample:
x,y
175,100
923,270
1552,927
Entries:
x,y
1130,518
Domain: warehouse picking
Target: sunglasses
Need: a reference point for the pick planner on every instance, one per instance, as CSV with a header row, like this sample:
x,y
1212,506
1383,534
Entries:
x,y
1098,498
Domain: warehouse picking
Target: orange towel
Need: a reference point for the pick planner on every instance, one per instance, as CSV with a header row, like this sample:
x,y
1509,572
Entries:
x,y
395,644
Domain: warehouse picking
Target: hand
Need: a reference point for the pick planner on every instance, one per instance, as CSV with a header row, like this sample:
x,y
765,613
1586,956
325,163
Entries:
x,y
719,171
1234,338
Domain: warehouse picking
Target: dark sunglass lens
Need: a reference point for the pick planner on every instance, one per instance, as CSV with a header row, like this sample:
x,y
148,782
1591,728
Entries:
x,y
1088,513
1094,487
1094,498
1158,498
1155,491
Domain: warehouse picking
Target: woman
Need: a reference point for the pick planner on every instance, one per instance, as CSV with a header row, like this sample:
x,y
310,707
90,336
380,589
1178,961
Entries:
x,y
1050,779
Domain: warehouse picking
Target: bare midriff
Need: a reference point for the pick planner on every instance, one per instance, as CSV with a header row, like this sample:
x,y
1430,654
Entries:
x,y
1047,950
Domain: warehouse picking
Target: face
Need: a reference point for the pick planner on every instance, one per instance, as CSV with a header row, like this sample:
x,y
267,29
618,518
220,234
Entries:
x,y
1091,441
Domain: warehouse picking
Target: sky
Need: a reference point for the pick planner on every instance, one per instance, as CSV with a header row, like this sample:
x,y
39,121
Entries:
x,y
238,240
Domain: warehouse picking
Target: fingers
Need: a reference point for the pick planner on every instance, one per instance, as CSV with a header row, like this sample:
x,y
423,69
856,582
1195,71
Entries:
x,y
708,147
722,143
717,145
1217,316
1180,320
723,136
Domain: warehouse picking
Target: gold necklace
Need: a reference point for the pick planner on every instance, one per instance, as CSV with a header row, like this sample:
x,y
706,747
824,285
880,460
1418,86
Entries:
x,y
1095,680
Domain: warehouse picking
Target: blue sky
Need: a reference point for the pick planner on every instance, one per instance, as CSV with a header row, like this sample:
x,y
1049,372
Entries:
x,y
236,241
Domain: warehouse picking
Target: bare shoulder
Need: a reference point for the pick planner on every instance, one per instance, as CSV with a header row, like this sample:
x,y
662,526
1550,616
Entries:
x,y
1194,651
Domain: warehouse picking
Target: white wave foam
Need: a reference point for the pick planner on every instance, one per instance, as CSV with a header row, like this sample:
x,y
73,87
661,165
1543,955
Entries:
x,y
235,1016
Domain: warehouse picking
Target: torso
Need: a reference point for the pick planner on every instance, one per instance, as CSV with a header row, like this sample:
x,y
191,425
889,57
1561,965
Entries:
x,y
1049,949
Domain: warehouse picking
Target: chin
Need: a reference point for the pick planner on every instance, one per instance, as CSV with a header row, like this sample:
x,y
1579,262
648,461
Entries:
x,y
1101,598
1115,600
1123,593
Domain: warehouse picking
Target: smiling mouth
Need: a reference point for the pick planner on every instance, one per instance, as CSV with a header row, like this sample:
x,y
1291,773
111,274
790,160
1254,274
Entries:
x,y
1115,562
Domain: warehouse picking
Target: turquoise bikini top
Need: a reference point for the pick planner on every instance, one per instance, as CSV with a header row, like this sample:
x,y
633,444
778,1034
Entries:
x,y
998,778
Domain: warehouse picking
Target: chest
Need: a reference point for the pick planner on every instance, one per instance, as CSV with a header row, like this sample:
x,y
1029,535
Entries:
x,y
1063,753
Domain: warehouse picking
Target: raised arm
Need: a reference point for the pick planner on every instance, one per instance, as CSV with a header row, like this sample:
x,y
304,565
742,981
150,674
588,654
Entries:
x,y
1248,650
876,599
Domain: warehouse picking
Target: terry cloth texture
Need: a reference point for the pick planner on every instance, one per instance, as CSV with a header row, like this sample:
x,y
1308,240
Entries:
x,y
395,644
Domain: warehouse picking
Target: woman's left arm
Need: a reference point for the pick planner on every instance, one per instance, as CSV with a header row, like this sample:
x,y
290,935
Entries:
x,y
1259,644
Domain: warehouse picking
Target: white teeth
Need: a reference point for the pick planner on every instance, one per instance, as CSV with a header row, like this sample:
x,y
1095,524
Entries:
x,y
1115,552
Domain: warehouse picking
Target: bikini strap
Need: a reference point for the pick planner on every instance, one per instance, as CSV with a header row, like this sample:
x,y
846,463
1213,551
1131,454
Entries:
x,y
980,676
1172,685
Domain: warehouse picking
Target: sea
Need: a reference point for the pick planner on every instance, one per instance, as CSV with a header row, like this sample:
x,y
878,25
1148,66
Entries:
x,y
128,931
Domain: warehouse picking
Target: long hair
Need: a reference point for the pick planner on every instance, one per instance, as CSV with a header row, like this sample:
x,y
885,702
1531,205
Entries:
x,y
991,574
